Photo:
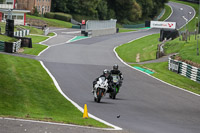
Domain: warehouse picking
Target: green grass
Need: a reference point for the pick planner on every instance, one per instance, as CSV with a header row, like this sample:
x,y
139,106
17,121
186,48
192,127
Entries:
x,y
146,49
186,50
37,48
51,34
7,39
168,11
191,25
28,92
162,72
121,30
53,22
34,30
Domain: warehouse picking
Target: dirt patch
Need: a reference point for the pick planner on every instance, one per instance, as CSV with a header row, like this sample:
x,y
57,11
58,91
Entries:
x,y
187,61
21,50
138,58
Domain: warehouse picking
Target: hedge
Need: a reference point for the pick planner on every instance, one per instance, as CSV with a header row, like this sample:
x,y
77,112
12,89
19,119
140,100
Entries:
x,y
59,16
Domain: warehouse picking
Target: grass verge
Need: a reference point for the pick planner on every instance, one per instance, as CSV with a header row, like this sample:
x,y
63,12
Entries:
x,y
7,38
186,50
162,72
37,48
28,92
121,30
143,47
168,11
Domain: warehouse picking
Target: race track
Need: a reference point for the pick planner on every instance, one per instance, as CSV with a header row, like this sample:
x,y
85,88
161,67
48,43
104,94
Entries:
x,y
145,104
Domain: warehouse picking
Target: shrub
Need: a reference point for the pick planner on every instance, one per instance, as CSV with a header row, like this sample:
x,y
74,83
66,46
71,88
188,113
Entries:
x,y
49,15
63,16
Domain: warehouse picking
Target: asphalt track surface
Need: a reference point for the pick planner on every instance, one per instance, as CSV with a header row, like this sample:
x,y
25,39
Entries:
x,y
145,105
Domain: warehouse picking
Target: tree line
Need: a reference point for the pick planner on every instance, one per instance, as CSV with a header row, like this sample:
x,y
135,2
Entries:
x,y
124,11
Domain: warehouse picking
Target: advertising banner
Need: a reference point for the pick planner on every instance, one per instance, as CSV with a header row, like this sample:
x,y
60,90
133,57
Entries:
x,y
163,25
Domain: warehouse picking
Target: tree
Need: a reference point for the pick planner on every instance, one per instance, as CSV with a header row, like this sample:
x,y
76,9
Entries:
x,y
60,6
102,9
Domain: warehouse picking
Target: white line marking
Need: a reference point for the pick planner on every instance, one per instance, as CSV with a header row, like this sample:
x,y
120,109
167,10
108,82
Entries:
x,y
149,74
43,50
75,104
170,14
72,32
52,123
58,29
71,39
48,38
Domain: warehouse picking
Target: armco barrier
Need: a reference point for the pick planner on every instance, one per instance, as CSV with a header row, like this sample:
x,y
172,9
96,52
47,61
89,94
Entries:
x,y
184,69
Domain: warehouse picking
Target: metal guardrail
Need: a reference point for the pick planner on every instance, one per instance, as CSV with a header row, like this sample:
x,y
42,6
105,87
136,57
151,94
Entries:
x,y
184,69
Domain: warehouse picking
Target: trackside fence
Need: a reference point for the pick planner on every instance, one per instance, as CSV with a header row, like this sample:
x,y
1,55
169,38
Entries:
x,y
184,69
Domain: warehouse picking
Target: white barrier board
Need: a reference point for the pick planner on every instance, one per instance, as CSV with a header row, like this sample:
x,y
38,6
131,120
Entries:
x,y
163,25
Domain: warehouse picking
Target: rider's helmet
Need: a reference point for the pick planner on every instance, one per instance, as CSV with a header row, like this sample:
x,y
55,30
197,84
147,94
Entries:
x,y
106,73
115,67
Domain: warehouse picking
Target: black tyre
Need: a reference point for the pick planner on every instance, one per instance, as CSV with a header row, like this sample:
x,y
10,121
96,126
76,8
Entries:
x,y
99,95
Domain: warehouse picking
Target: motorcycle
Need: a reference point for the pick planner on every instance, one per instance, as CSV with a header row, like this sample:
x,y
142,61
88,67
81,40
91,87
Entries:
x,y
100,89
115,86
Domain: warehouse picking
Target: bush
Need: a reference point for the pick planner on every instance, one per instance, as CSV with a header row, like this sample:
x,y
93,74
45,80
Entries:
x,y
79,18
59,16
63,16
49,15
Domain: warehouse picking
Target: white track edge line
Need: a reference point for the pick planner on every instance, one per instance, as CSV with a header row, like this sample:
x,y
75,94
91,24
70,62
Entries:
x,y
151,75
53,123
170,14
75,104
48,38
43,50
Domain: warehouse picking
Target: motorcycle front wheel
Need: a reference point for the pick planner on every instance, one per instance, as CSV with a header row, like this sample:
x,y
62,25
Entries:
x,y
99,95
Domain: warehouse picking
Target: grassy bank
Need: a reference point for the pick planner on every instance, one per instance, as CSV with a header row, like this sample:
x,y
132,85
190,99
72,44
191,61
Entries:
x,y
53,22
186,50
28,92
162,72
144,48
7,39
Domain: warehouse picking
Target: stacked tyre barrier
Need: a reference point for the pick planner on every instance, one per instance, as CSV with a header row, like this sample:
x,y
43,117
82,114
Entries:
x,y
22,33
189,71
10,47
2,46
184,69
16,45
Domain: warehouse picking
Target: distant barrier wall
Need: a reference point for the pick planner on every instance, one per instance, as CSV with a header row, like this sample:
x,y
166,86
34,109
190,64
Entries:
x,y
100,27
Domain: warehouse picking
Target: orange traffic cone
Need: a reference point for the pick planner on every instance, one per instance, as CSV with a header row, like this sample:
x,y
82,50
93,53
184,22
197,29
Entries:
x,y
85,114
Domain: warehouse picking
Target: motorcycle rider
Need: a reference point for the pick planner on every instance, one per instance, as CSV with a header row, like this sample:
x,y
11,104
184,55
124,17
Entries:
x,y
107,76
117,72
